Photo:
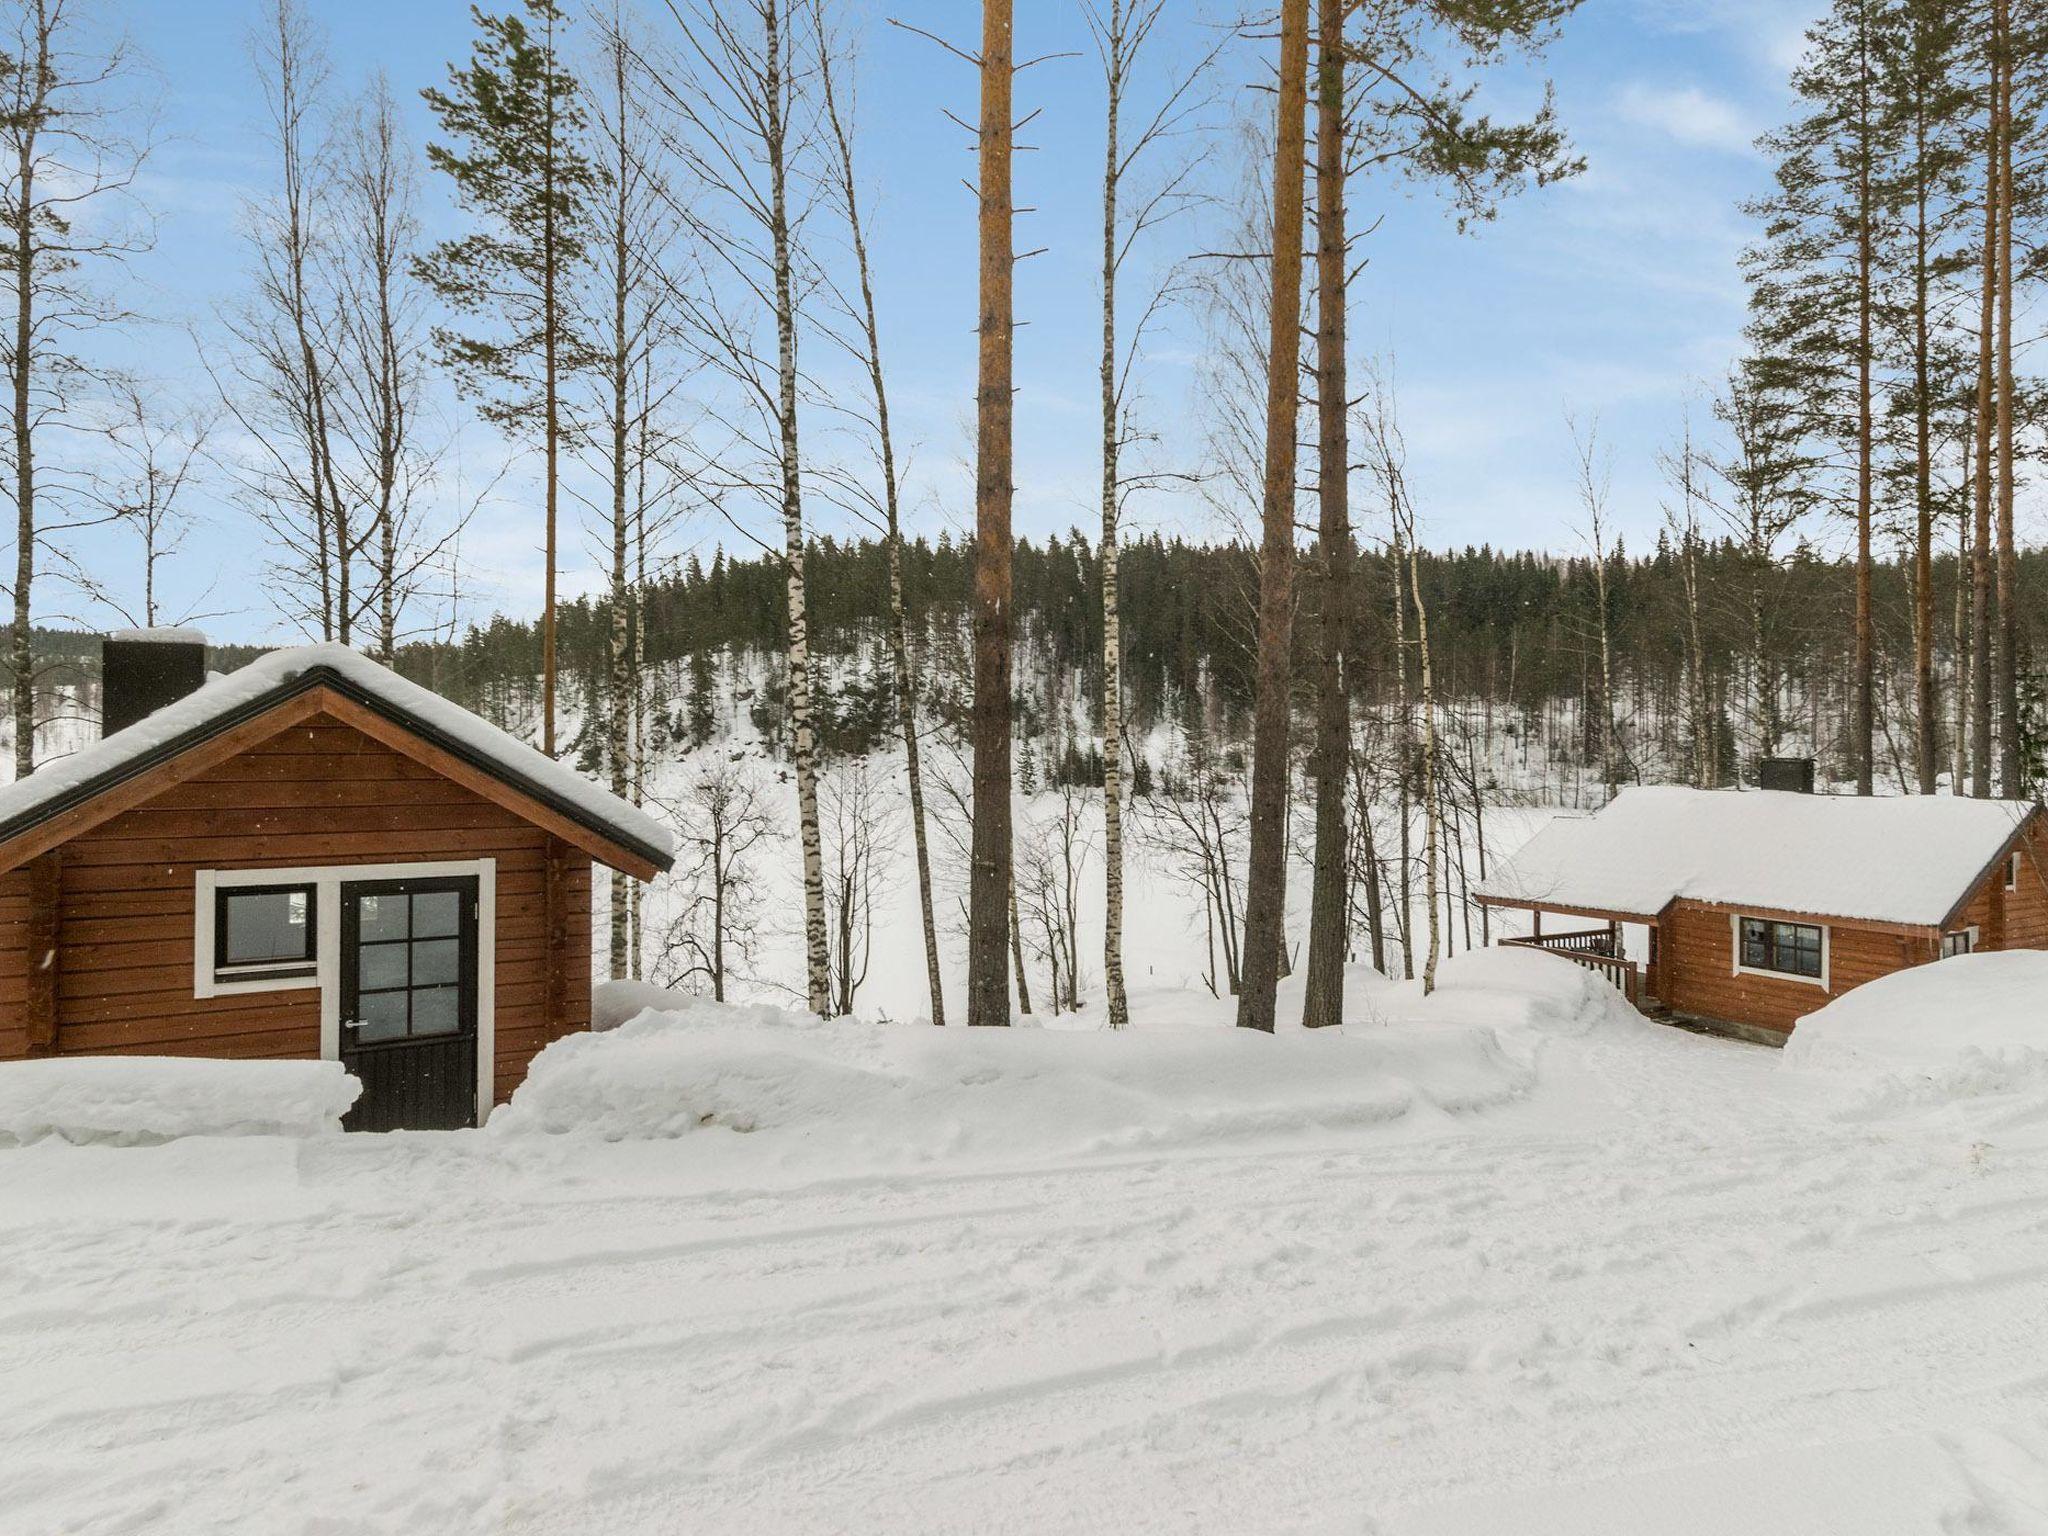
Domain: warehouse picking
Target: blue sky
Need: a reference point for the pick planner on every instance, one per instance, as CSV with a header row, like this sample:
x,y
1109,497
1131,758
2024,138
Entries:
x,y
1615,295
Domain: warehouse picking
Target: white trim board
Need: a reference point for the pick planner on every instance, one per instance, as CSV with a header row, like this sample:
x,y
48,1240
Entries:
x,y
327,881
1827,946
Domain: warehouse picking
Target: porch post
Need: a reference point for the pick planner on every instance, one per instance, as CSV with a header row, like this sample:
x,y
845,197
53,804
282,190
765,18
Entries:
x,y
1537,931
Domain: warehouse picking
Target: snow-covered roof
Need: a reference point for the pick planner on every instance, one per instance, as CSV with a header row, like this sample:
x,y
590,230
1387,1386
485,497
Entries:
x,y
235,695
1890,859
160,634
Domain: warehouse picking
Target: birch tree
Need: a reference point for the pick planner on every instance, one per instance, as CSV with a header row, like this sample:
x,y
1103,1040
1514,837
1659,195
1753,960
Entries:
x,y
380,377
866,347
631,333
746,132
155,458
1122,31
71,148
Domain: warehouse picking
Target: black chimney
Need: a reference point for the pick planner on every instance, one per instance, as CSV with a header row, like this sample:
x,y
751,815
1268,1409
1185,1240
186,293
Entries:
x,y
142,670
1791,774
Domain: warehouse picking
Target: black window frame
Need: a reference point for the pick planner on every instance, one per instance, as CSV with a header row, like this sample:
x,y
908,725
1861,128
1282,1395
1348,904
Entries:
x,y
226,970
1966,938
1767,958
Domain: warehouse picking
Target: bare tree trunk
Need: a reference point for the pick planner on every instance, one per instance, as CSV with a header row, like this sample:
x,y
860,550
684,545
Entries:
x,y
618,367
637,935
1430,808
991,891
1112,632
1375,921
551,344
2008,612
1866,660
1926,739
817,951
1405,753
899,639
21,655
1959,747
1017,951
1330,901
1267,875
1980,550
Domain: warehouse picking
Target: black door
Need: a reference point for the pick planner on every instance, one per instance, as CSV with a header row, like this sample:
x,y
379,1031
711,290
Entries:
x,y
408,1002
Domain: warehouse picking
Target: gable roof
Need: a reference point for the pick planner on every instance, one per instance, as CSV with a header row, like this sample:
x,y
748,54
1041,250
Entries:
x,y
1904,859
241,697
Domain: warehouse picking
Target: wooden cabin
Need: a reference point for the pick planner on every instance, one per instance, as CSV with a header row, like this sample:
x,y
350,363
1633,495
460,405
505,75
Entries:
x,y
309,857
1745,911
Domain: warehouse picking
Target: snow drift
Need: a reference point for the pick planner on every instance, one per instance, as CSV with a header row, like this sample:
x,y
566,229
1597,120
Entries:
x,y
864,1094
1967,1025
139,1100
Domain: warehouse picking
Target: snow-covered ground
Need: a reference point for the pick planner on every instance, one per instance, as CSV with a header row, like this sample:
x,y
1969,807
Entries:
x,y
1646,1284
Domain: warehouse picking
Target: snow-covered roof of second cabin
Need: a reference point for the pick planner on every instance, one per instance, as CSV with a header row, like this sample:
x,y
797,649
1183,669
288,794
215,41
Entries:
x,y
1904,859
228,698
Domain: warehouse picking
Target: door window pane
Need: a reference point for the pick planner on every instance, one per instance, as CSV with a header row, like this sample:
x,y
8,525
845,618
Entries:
x,y
436,914
434,1011
436,961
381,917
380,1016
380,965
267,927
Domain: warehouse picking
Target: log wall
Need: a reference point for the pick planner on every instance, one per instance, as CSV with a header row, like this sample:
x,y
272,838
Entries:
x,y
321,792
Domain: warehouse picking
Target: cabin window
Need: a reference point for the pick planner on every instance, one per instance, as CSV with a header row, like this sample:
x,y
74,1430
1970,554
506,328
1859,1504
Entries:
x,y
1961,942
1790,949
2012,870
262,932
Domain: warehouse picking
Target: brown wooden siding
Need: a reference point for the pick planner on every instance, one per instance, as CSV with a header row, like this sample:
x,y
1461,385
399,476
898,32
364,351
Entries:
x,y
2016,919
1697,958
1698,954
316,793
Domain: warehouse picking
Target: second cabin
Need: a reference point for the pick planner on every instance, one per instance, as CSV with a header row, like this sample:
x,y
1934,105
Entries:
x,y
1746,911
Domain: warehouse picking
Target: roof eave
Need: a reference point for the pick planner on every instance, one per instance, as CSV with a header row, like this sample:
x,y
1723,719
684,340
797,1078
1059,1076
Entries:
x,y
304,681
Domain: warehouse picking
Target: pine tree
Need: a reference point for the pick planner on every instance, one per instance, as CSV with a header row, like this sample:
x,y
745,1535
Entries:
x,y
992,890
518,167
1814,286
1330,900
1926,101
1266,881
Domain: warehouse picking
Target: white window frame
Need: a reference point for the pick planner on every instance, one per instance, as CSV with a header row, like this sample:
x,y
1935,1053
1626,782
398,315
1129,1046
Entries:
x,y
1971,930
1827,945
2012,870
327,881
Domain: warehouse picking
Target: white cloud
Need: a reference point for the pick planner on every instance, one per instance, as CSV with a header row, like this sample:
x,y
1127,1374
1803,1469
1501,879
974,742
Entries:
x,y
1688,114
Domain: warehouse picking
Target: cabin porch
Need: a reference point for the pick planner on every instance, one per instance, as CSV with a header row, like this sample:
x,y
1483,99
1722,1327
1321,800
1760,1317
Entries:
x,y
1603,951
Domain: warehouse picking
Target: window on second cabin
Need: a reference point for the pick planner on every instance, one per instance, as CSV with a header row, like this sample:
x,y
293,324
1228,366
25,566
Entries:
x,y
2012,870
265,930
1793,949
1961,942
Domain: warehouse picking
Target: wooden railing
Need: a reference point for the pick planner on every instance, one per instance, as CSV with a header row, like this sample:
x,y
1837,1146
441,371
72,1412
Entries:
x,y
1583,941
1594,949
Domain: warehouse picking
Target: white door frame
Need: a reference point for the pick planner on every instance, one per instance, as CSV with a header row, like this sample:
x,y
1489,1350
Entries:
x,y
327,880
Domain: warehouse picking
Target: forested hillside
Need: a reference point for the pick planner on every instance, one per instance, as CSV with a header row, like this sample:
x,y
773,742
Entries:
x,y
1515,634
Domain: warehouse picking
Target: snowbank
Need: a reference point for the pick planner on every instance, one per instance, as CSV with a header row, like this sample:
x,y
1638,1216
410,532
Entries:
x,y
1967,1025
137,1100
1513,989
888,1094
891,1094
